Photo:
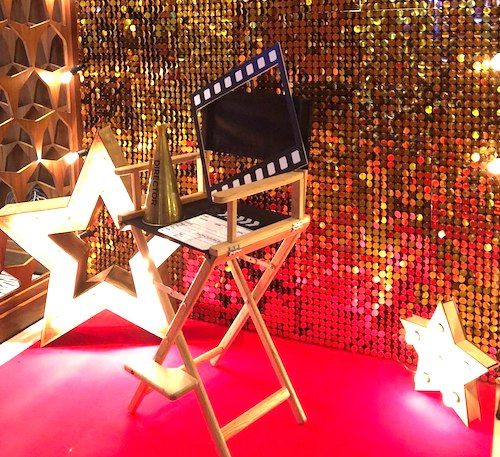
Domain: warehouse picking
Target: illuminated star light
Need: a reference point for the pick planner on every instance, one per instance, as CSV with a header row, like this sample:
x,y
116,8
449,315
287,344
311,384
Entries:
x,y
447,362
48,229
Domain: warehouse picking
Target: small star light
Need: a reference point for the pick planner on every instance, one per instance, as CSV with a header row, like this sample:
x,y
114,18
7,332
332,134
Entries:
x,y
447,362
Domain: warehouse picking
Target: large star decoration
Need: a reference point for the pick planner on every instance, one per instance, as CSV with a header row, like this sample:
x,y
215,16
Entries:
x,y
48,230
447,362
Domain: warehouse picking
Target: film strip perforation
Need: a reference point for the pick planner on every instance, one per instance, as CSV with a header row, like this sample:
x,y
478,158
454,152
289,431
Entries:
x,y
238,76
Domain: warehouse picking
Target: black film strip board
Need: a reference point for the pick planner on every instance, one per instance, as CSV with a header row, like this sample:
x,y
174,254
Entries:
x,y
284,161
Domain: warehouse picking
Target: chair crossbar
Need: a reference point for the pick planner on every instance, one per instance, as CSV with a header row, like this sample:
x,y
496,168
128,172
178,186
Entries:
x,y
206,356
255,261
266,340
255,413
258,239
171,292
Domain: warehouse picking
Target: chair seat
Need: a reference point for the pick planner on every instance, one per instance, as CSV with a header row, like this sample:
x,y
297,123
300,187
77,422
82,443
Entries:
x,y
201,212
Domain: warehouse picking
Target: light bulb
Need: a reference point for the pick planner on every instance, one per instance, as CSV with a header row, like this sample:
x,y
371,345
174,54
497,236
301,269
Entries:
x,y
71,157
450,399
493,166
412,337
422,377
66,77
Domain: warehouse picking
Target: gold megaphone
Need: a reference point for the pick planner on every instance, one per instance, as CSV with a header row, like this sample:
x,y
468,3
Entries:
x,y
163,204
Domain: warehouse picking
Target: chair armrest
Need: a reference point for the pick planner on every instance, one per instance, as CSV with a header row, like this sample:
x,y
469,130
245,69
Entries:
x,y
235,193
33,206
144,166
139,212
298,180
186,157
134,168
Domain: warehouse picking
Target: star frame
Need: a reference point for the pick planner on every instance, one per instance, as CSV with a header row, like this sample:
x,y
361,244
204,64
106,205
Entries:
x,y
447,362
48,231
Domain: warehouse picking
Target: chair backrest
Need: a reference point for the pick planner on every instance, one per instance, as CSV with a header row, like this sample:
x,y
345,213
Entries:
x,y
268,127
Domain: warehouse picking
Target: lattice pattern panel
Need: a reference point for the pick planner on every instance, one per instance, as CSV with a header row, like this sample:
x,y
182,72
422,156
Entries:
x,y
39,112
405,120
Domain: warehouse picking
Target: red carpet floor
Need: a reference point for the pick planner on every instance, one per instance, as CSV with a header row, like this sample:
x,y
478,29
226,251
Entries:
x,y
71,398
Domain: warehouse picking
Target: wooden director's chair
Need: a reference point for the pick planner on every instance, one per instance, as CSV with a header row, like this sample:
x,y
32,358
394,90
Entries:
x,y
227,119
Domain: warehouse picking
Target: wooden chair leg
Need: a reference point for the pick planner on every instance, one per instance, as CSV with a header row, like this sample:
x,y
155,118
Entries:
x,y
205,404
142,245
201,393
184,310
258,292
193,381
175,334
176,321
267,341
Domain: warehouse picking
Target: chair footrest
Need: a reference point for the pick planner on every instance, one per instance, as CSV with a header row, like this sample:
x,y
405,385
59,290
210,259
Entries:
x,y
171,382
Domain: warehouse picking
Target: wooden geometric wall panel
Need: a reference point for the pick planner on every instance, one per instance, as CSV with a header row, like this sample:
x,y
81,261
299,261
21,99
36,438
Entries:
x,y
39,113
39,122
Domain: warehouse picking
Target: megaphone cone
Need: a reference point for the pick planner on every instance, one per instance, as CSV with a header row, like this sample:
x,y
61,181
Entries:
x,y
163,204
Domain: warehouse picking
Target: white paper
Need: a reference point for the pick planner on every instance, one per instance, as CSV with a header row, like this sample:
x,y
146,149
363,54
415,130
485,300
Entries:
x,y
201,232
7,283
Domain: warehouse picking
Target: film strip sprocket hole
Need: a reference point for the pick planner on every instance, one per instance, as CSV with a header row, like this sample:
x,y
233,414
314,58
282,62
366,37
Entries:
x,y
282,161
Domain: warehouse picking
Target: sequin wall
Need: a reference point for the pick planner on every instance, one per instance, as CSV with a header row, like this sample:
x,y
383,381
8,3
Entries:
x,y
405,120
